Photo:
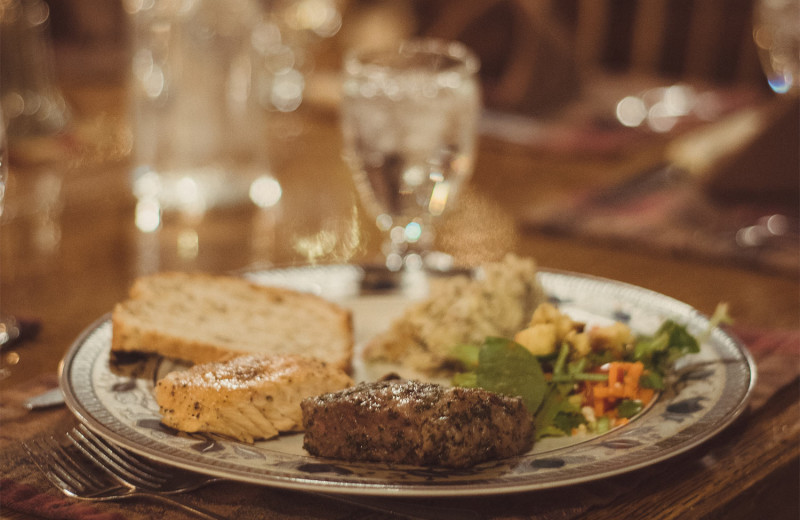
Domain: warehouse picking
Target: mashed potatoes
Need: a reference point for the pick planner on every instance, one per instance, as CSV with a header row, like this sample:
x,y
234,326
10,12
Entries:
x,y
497,302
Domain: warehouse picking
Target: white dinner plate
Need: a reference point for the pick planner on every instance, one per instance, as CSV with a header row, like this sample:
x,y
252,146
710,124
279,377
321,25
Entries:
x,y
117,402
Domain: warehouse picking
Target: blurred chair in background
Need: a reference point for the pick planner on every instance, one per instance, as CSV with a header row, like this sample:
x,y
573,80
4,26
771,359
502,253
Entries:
x,y
577,59
539,54
529,63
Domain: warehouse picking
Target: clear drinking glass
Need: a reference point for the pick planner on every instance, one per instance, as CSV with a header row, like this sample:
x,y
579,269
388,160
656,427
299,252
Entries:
x,y
29,93
3,161
8,325
777,35
197,122
409,122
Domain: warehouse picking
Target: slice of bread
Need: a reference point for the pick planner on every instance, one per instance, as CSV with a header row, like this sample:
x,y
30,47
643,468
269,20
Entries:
x,y
202,318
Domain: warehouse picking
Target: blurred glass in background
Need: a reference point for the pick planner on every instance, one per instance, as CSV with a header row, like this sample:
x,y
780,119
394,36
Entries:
x,y
31,99
206,76
197,130
777,35
8,324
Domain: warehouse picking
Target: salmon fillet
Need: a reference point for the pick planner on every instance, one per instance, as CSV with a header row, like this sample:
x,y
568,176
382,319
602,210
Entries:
x,y
247,398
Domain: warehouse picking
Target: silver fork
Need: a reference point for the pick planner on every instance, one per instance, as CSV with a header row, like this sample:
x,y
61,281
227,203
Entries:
x,y
134,476
87,468
139,471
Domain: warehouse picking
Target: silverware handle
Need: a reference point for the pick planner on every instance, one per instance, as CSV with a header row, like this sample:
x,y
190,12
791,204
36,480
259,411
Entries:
x,y
407,510
199,512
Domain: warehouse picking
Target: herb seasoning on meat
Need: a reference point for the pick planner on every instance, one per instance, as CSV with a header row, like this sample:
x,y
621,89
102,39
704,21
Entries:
x,y
410,422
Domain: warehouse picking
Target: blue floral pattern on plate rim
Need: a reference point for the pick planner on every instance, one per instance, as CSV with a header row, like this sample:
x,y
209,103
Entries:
x,y
711,390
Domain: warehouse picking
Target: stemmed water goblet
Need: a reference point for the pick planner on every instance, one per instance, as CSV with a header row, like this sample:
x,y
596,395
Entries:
x,y
8,325
409,123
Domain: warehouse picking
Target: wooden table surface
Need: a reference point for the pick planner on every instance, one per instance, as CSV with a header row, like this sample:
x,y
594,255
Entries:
x,y
66,261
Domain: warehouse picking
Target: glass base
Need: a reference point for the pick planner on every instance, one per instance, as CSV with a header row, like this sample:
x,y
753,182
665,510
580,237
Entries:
x,y
9,330
415,272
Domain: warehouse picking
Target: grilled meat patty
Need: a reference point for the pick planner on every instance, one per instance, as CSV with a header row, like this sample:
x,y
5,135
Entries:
x,y
409,422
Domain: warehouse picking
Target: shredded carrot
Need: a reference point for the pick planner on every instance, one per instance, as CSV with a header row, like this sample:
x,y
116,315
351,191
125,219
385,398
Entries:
x,y
599,408
646,395
601,391
632,374
613,373
623,379
622,383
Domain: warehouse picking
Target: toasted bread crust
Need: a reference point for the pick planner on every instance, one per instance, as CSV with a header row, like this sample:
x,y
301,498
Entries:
x,y
202,318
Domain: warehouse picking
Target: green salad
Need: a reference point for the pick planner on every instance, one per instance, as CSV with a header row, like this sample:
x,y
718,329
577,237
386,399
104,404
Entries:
x,y
575,379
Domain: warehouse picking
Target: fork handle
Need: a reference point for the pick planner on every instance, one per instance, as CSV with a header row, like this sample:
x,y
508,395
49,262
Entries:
x,y
199,512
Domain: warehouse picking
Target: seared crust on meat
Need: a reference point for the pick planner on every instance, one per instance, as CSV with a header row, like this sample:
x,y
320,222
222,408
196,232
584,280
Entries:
x,y
409,422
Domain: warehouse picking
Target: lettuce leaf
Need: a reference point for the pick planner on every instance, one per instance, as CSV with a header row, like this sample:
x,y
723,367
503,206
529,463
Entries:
x,y
659,351
505,367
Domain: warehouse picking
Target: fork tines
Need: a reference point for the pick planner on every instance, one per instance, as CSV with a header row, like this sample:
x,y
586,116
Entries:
x,y
64,467
84,466
114,460
124,467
